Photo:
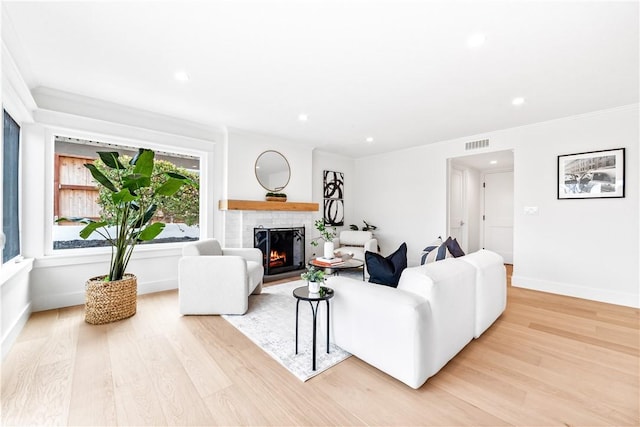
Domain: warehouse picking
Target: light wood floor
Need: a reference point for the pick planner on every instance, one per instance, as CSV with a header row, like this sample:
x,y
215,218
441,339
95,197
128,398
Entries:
x,y
549,360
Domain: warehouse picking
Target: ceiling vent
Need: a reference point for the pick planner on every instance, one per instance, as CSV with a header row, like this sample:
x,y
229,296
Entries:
x,y
474,145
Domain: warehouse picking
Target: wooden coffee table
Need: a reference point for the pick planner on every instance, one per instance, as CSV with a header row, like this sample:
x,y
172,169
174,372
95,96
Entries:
x,y
350,264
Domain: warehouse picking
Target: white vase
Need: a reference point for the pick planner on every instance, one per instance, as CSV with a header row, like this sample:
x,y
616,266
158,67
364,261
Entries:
x,y
328,250
314,287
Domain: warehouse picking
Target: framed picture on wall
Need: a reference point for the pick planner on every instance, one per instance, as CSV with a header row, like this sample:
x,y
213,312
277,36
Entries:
x,y
333,185
334,212
591,175
333,195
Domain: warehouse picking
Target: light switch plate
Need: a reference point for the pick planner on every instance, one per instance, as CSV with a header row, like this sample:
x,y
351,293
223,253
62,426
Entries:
x,y
531,210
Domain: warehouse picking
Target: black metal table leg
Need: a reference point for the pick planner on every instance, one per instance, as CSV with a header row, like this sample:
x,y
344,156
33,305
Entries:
x,y
297,306
328,312
315,315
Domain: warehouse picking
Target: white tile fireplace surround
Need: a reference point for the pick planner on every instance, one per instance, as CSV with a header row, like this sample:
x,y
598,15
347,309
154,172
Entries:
x,y
239,225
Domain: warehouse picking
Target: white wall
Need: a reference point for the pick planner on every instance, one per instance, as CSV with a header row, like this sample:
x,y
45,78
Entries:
x,y
404,194
583,248
243,148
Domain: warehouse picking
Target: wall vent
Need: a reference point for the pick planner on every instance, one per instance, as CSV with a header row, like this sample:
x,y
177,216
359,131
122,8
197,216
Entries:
x,y
474,145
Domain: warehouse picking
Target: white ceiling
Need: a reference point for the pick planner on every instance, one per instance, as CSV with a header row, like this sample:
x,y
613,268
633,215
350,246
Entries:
x,y
397,71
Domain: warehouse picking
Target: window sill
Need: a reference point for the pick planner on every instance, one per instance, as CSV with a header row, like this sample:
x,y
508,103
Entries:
x,y
93,255
13,268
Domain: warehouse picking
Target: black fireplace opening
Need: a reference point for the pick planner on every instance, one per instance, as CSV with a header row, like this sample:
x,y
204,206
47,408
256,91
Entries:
x,y
282,248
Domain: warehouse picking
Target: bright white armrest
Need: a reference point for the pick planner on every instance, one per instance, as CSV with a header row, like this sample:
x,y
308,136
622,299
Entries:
x,y
250,254
491,287
213,285
371,245
449,285
383,326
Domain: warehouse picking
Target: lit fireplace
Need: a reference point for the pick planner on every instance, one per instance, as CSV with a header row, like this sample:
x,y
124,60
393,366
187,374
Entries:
x,y
282,248
277,259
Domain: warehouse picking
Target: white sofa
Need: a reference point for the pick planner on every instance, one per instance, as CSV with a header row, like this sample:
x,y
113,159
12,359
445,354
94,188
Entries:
x,y
216,280
412,331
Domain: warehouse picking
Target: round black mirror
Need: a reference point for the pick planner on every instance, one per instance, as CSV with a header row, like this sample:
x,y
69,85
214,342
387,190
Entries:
x,y
272,171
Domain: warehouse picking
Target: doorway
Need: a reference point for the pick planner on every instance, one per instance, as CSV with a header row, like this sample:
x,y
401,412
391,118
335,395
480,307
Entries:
x,y
480,202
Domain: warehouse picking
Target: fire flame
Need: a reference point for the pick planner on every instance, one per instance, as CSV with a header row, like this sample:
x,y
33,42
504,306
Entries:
x,y
277,258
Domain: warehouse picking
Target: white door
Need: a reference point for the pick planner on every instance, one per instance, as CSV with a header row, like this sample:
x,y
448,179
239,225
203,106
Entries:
x,y
457,207
498,214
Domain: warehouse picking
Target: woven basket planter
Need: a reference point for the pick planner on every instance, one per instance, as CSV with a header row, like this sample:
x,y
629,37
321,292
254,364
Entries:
x,y
107,302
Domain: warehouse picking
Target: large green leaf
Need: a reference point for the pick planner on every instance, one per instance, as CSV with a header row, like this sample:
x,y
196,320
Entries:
x,y
150,232
176,176
146,217
170,187
99,176
136,181
110,159
184,179
123,196
90,228
143,162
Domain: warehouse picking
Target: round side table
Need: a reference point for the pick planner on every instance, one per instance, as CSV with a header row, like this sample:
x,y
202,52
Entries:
x,y
302,294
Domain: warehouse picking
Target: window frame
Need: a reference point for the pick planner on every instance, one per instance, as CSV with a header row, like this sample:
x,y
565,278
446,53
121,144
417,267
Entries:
x,y
178,148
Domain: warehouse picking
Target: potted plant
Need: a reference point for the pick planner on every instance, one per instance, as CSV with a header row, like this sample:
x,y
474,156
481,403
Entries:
x,y
134,196
366,227
314,278
275,197
326,234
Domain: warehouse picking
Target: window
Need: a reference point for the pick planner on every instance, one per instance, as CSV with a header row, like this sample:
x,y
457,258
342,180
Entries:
x,y
77,195
10,171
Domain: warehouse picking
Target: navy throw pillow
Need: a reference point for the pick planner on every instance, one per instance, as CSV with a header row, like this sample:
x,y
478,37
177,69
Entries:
x,y
386,270
454,247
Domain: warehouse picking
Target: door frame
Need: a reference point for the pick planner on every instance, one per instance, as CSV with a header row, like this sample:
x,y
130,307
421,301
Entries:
x,y
465,209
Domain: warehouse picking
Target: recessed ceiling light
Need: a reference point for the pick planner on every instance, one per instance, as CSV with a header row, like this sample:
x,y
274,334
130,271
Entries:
x,y
494,162
518,101
476,40
303,117
369,139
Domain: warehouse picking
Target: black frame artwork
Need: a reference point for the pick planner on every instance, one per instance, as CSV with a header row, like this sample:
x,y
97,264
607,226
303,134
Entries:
x,y
591,175
333,195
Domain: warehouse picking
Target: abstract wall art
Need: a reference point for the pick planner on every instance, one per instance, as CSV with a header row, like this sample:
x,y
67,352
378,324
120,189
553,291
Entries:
x,y
333,194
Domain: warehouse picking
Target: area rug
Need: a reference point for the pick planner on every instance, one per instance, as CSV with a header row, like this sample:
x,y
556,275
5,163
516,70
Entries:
x,y
270,323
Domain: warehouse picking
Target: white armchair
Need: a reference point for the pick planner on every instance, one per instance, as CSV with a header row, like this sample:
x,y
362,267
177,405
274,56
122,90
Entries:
x,y
356,243
213,280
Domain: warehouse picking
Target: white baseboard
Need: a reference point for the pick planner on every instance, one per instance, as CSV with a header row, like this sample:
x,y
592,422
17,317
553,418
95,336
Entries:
x,y
601,295
157,286
12,333
53,301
